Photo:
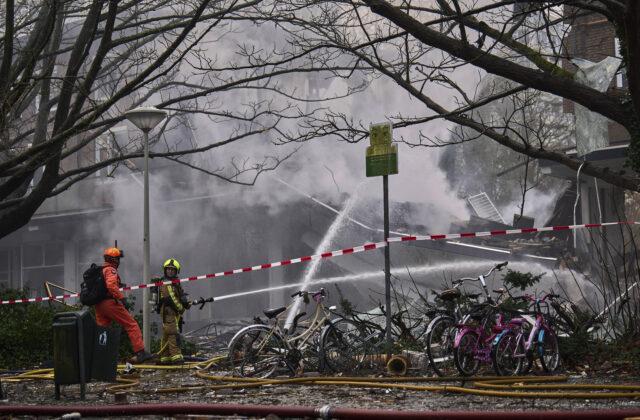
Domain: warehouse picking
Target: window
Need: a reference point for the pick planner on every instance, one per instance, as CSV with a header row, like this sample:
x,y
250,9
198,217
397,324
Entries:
x,y
102,152
42,262
32,256
106,146
621,75
5,268
88,253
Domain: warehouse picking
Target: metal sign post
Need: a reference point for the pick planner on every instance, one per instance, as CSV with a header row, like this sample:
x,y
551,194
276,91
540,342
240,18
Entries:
x,y
382,160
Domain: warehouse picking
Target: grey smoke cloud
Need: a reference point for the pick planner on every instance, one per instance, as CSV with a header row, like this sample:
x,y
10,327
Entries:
x,y
223,231
538,204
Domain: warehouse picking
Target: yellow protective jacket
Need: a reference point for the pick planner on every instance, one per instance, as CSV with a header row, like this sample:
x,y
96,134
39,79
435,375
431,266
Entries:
x,y
172,295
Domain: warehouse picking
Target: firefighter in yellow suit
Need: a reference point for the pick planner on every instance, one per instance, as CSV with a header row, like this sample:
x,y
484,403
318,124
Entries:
x,y
173,303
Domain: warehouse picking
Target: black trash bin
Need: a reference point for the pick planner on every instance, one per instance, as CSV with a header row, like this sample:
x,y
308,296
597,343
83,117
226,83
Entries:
x,y
105,354
73,336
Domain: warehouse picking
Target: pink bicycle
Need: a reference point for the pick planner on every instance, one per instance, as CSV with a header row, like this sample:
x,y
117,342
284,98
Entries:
x,y
510,350
472,343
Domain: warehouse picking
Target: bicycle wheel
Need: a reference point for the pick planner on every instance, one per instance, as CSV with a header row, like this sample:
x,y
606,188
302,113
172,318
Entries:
x,y
344,345
310,352
256,352
464,353
548,349
504,354
440,336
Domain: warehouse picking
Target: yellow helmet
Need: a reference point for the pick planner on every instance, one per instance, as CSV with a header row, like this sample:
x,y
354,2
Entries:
x,y
171,263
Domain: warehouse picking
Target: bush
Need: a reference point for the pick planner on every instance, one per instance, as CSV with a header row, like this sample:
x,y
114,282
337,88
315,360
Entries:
x,y
26,334
577,348
521,280
26,331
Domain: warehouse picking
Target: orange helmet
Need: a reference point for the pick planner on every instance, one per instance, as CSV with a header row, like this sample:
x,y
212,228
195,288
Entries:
x,y
113,255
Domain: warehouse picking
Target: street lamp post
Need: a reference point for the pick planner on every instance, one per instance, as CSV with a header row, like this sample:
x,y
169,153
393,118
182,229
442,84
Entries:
x,y
146,118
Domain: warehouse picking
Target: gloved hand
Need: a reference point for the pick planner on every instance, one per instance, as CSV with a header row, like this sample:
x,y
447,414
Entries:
x,y
185,303
125,303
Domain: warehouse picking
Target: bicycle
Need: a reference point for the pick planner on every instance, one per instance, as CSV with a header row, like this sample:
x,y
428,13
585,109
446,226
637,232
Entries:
x,y
509,350
258,350
441,330
346,344
472,343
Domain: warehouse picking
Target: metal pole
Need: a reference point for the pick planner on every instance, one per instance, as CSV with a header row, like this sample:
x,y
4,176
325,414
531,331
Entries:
x,y
387,262
146,331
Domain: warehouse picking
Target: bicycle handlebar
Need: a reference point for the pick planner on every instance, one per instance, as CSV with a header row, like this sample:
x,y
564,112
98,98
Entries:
x,y
501,265
496,267
303,292
548,295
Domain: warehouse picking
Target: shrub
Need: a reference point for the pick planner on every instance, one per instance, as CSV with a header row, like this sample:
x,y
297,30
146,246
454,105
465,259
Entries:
x,y
26,333
521,280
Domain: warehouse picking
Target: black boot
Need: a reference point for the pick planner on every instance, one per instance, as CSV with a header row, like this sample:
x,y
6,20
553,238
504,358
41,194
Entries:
x,y
142,356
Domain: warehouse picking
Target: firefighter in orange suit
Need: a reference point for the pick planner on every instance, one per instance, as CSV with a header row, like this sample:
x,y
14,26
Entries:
x,y
173,303
116,306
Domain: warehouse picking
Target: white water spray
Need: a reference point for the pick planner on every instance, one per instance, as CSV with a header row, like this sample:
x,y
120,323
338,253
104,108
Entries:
x,y
449,270
325,205
371,275
311,270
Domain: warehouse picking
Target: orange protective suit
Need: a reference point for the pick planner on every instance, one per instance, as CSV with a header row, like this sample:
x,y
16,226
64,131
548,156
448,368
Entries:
x,y
111,309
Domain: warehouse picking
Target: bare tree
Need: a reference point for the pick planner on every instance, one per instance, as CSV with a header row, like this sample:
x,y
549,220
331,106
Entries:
x,y
70,69
421,45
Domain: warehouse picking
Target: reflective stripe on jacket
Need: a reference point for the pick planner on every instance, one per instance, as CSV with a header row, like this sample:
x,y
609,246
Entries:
x,y
170,294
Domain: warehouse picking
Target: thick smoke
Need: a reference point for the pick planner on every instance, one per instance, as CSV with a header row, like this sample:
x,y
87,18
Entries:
x,y
210,225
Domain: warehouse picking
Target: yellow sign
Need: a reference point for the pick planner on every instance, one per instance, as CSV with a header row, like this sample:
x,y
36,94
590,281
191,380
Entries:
x,y
382,156
380,134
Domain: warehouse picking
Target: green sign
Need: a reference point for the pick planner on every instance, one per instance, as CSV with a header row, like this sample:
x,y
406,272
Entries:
x,y
382,156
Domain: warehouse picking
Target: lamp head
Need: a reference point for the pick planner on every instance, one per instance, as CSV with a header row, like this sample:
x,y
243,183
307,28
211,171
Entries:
x,y
145,118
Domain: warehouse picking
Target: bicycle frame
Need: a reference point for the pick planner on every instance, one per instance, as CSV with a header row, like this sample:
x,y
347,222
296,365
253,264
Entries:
x,y
320,318
457,312
297,342
472,342
479,351
539,329
376,338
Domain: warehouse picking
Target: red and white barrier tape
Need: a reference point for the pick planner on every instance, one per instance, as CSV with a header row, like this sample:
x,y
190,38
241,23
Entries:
x,y
504,232
354,250
346,251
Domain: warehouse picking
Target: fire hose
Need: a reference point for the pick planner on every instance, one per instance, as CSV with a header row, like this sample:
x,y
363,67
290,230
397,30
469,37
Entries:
x,y
484,386
496,386
324,412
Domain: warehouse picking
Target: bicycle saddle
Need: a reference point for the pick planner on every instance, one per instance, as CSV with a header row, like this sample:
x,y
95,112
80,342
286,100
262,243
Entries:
x,y
450,294
270,313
